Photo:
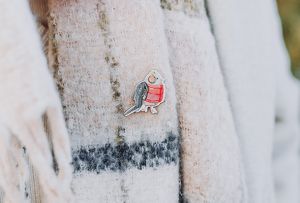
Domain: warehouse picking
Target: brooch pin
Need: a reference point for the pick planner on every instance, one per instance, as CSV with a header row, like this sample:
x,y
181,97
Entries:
x,y
149,93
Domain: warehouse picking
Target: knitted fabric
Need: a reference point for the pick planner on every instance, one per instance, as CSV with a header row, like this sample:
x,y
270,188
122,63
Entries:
x,y
286,138
98,51
27,95
96,82
104,49
252,54
211,162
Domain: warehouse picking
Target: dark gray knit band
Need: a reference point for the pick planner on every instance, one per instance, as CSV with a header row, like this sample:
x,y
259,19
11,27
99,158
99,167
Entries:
x,y
95,158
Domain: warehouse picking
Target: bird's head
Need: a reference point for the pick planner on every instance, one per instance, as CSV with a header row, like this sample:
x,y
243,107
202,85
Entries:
x,y
154,78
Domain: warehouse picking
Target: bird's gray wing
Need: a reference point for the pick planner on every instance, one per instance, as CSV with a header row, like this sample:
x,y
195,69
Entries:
x,y
140,94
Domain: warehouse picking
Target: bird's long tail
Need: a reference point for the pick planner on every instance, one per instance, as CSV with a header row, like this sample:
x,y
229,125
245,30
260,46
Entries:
x,y
131,110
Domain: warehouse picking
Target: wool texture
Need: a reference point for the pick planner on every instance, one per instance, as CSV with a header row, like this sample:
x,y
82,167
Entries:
x,y
27,94
103,49
211,162
226,133
286,137
251,53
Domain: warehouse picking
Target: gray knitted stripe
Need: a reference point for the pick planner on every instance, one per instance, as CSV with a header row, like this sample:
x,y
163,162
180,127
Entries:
x,y
95,158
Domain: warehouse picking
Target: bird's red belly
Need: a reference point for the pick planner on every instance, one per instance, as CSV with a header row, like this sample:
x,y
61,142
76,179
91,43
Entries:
x,y
155,93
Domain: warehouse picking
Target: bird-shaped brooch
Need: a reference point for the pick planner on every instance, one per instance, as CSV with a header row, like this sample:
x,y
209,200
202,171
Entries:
x,y
149,93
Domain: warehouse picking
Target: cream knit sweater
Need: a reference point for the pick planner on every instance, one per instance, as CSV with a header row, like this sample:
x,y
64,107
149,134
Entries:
x,y
212,139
